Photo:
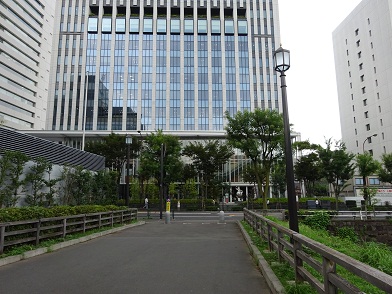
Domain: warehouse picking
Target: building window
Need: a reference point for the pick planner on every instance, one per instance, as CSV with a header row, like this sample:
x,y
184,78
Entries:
x,y
367,127
373,57
360,66
378,95
358,43
349,74
358,181
134,25
364,102
352,96
376,83
368,20
375,70
161,26
366,114
381,122
347,52
353,108
379,108
371,45
355,120
374,181
356,132
363,90
351,85
370,33
356,32
359,54
382,136
362,77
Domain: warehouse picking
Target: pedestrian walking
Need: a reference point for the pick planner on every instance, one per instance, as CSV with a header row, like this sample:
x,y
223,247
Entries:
x,y
145,203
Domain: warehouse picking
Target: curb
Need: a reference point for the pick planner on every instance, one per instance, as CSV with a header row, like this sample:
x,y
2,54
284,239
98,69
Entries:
x,y
273,282
43,250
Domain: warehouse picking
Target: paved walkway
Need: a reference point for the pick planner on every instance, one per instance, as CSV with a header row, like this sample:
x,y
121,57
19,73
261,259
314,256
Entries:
x,y
180,257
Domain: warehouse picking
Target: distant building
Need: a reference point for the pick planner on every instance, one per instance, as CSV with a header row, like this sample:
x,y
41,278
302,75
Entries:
x,y
139,66
364,74
362,46
26,38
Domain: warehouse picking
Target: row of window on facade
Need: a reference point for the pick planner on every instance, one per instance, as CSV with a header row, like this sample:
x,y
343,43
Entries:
x,y
147,26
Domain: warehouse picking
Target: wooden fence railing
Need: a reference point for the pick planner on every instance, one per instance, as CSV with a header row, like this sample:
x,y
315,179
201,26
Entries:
x,y
299,251
34,231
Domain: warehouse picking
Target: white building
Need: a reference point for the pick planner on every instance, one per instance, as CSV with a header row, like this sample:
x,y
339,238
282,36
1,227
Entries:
x,y
26,35
363,61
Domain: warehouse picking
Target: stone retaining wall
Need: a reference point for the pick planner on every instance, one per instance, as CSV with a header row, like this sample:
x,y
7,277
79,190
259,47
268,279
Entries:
x,y
368,230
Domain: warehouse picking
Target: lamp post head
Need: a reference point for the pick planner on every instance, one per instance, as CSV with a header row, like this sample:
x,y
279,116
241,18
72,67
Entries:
x,y
281,59
128,140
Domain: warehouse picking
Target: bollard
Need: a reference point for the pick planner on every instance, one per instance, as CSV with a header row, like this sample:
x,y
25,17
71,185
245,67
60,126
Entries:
x,y
167,217
221,216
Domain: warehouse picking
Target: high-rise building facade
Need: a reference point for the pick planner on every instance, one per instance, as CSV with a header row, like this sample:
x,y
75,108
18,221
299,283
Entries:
x,y
26,35
362,46
172,65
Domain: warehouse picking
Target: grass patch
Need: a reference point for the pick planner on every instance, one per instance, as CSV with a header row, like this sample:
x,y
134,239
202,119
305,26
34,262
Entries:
x,y
376,255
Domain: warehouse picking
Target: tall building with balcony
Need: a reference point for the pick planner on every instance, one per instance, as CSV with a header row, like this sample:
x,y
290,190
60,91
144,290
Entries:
x,y
26,35
362,46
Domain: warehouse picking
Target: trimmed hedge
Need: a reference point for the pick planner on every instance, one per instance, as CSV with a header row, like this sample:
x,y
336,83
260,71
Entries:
x,y
27,213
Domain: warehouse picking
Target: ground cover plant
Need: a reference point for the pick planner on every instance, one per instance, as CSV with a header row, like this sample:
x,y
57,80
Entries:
x,y
376,255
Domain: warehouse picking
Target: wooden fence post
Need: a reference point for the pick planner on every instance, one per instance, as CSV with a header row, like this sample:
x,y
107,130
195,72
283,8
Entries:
x,y
2,233
100,220
84,223
37,232
269,234
111,220
64,227
297,261
329,267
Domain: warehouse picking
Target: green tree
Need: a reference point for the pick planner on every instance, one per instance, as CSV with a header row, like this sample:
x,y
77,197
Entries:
x,y
366,166
5,166
259,135
385,172
207,158
15,162
114,149
278,178
35,182
104,188
77,185
337,166
150,159
190,189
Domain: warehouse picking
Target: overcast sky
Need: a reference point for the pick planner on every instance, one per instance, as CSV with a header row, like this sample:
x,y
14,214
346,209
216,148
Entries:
x,y
306,28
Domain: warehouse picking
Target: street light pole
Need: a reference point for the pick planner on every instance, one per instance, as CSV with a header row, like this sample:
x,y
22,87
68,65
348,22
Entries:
x,y
364,179
281,64
161,183
367,139
128,141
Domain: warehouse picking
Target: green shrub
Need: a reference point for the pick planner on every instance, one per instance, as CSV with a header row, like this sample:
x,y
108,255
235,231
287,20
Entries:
x,y
319,220
28,213
347,233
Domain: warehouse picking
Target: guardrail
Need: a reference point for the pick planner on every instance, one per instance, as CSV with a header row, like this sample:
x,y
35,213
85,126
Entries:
x,y
362,215
298,250
34,231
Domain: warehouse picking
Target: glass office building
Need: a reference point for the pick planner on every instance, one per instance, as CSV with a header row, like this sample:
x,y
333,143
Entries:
x,y
172,65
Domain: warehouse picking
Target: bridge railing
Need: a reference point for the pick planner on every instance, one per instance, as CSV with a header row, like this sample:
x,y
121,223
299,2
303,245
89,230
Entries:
x,y
299,250
35,231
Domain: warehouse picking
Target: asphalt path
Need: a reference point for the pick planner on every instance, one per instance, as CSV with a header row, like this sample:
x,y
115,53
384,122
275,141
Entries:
x,y
185,256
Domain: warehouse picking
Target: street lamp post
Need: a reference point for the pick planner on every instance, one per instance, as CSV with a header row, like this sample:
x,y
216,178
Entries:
x,y
367,139
364,179
161,192
128,141
282,64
